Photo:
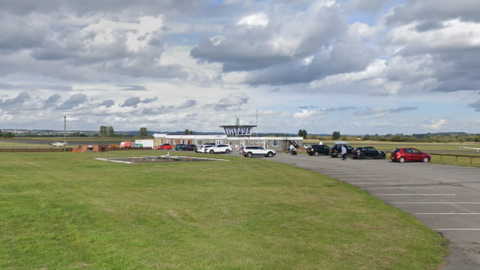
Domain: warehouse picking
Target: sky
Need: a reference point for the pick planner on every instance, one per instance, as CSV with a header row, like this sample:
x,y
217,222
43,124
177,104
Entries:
x,y
354,66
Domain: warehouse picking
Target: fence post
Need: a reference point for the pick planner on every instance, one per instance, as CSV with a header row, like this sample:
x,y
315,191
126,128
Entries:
x,y
471,160
456,159
441,157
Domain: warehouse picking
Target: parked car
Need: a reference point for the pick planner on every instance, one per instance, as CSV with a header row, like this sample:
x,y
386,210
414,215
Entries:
x,y
179,146
336,150
189,147
317,149
409,154
364,152
165,146
204,148
220,148
250,151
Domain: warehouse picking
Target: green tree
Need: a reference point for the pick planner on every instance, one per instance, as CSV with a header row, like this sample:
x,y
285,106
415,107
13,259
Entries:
x,y
302,133
111,132
336,135
9,135
143,132
397,138
188,132
367,137
103,131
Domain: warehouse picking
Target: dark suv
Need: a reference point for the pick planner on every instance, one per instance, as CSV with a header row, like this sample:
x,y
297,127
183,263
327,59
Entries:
x,y
189,147
317,149
336,150
364,152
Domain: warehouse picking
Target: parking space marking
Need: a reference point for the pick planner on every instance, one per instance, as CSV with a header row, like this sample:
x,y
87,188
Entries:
x,y
459,229
362,179
399,187
349,174
434,202
446,213
377,183
416,194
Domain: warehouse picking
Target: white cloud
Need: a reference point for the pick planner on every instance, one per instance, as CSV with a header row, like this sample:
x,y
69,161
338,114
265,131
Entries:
x,y
454,35
305,114
259,19
436,124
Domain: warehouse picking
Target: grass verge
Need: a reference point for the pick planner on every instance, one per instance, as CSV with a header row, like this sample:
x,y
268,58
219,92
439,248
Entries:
x,y
69,211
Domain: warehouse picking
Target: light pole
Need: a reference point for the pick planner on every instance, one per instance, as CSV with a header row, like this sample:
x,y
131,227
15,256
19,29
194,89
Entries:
x,y
65,133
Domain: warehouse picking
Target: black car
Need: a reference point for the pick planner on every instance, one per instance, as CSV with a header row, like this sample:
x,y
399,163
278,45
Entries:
x,y
367,152
317,149
336,150
189,147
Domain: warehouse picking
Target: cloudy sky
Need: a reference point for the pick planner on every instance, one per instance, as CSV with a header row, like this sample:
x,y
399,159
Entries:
x,y
354,66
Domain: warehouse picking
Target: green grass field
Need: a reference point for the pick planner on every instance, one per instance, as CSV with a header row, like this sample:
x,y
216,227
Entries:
x,y
69,211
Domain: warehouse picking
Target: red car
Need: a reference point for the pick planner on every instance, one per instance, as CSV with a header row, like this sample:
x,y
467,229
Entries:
x,y
164,146
409,154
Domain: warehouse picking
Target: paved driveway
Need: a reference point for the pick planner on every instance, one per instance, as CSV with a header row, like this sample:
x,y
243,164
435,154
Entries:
x,y
445,198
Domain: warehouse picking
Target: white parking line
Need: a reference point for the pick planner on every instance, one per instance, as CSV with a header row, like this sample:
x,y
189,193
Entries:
x,y
378,183
446,213
459,229
434,202
416,194
400,187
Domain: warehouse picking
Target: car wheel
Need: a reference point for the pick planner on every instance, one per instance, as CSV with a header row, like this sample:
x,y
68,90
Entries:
x,y
270,154
402,160
316,154
227,151
425,159
249,154
361,156
211,151
382,156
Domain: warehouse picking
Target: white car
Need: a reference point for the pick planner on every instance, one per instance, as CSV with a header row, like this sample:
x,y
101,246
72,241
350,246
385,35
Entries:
x,y
252,150
220,148
204,148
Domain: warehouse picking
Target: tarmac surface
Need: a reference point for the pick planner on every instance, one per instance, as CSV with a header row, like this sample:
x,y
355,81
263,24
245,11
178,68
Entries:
x,y
446,198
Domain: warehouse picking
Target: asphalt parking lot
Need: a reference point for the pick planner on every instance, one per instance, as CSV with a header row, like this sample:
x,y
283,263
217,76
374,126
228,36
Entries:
x,y
445,198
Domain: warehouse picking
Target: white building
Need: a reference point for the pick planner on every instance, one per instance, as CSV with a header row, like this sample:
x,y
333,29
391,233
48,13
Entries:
x,y
235,135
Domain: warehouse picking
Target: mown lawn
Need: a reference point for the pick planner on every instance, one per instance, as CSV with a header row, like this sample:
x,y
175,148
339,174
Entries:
x,y
69,211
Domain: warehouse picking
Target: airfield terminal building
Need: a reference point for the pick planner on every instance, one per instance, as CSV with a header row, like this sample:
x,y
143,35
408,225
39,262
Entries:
x,y
234,135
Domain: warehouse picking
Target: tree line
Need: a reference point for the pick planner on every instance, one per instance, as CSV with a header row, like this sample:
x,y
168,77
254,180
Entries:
x,y
110,132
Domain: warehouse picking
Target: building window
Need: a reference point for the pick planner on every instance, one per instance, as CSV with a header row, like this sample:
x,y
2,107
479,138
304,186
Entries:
x,y
275,143
218,142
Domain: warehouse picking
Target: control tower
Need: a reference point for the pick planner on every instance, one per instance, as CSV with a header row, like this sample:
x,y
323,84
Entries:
x,y
238,130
